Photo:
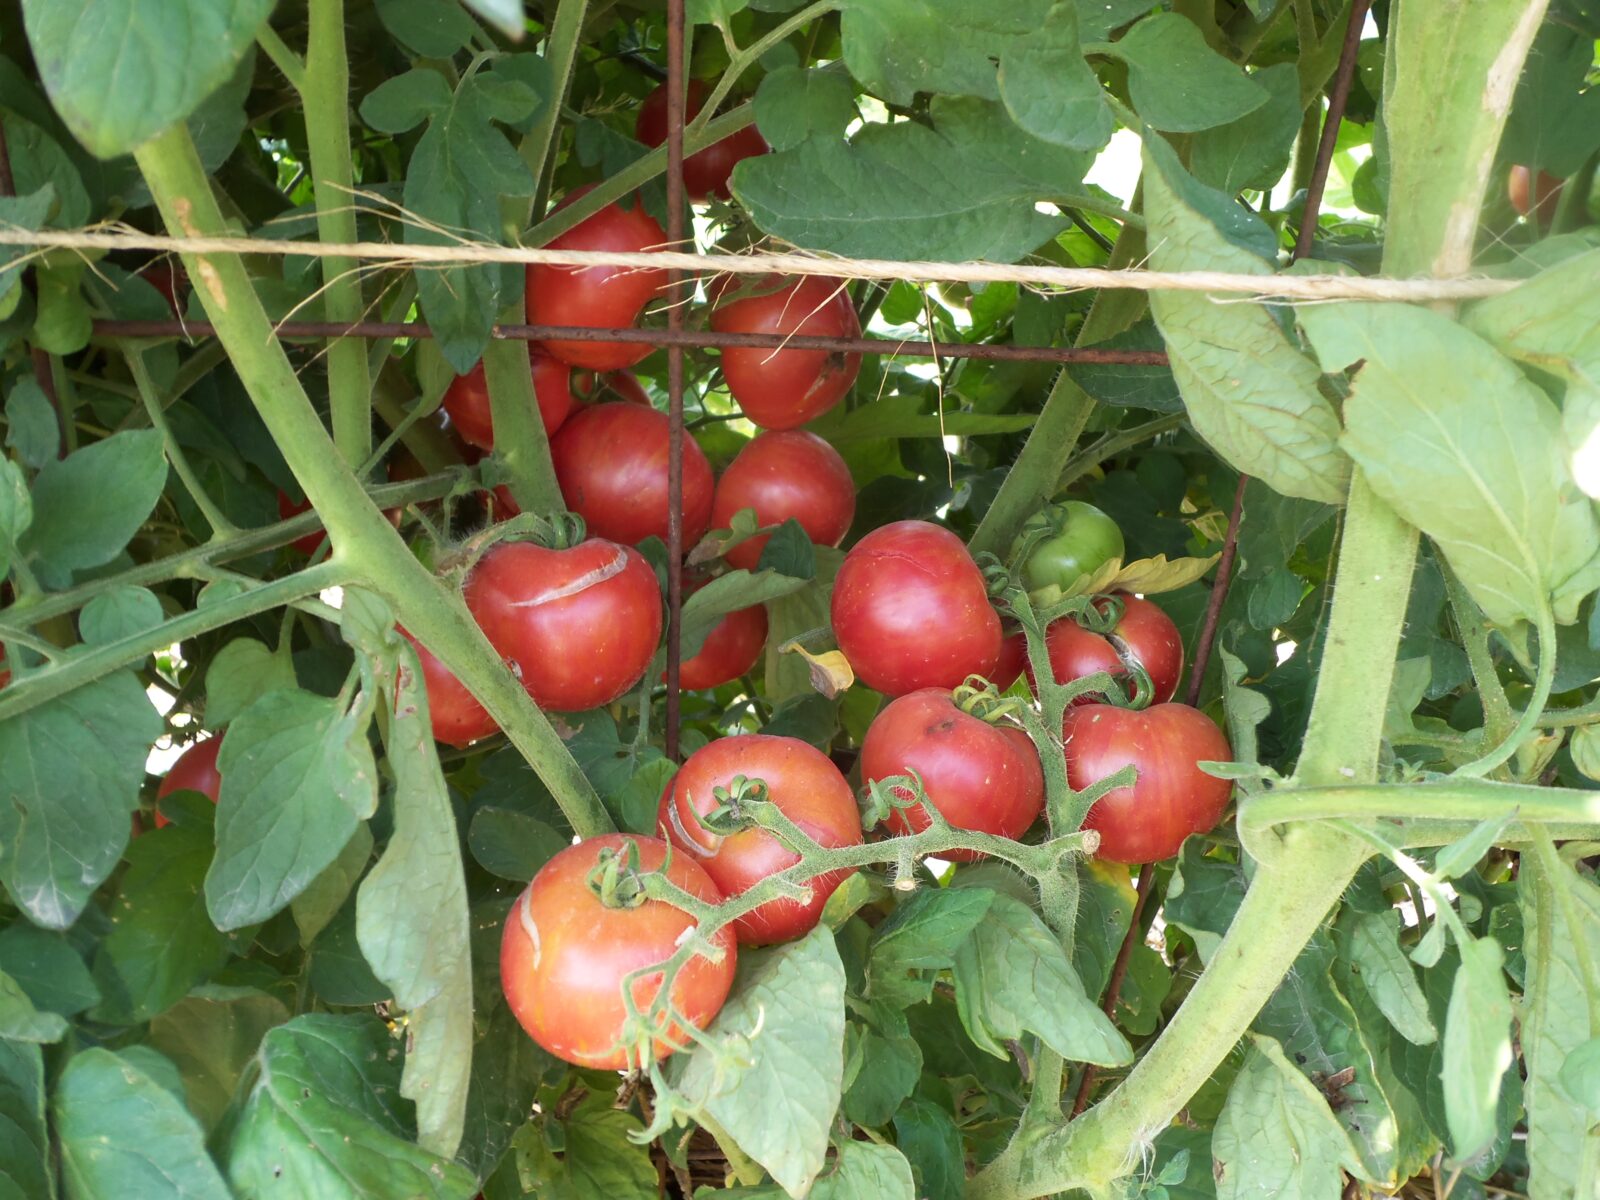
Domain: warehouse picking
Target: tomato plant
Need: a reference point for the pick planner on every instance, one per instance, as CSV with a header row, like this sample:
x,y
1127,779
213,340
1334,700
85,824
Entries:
x,y
705,172
783,475
1143,636
565,955
801,782
1068,541
783,389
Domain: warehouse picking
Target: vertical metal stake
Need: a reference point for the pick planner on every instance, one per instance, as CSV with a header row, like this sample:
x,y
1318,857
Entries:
x,y
675,303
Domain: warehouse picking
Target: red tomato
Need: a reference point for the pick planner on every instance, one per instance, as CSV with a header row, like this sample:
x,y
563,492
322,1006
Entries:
x,y
611,462
457,716
601,297
1526,196
613,385
5,676
1144,636
978,775
782,475
731,649
169,278
705,172
287,508
564,955
578,626
1013,660
910,610
783,389
807,788
194,771
1171,798
467,399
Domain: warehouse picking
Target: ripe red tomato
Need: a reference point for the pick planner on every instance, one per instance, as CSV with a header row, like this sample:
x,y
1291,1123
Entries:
x,y
1526,196
781,475
731,649
807,788
466,400
287,508
705,172
564,955
910,610
1144,636
611,462
457,716
578,626
783,389
601,297
1171,798
979,775
194,771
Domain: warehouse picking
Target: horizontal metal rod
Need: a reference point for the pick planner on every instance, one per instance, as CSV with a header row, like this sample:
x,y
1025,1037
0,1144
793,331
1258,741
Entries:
x,y
893,347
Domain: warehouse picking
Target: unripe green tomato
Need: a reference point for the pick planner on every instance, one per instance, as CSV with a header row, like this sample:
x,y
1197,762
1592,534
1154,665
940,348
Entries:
x,y
1080,539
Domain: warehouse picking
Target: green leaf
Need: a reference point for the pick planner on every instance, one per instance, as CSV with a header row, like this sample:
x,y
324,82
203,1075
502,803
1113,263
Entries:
x,y
325,1118
901,416
512,845
1555,1021
1580,1074
964,188
86,506
123,1134
867,1171
24,1144
1460,444
37,161
1099,19
70,772
1274,598
20,1021
1177,82
119,613
898,48
212,1038
882,1065
1252,151
927,1135
121,71
1249,392
241,673
428,27
1389,977
504,15
792,104
1460,857
411,913
327,893
1552,321
297,775
507,1066
1246,709
1049,88
791,616
16,510
1011,975
784,1023
923,934
62,322
1105,906
25,212
730,593
48,968
598,1158
1203,896
31,427
1477,1046
1276,1136
406,101
161,942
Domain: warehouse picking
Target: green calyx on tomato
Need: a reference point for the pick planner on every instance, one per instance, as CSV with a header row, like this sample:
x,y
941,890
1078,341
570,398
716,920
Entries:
x,y
1064,543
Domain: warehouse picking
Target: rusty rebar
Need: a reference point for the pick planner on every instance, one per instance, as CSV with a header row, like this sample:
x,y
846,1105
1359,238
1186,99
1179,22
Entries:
x,y
676,89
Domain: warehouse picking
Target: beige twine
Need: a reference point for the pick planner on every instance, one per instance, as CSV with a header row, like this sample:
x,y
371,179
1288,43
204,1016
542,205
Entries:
x,y
1271,287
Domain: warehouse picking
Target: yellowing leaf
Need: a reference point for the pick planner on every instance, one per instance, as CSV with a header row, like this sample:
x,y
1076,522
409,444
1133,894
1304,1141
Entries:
x,y
1147,576
831,672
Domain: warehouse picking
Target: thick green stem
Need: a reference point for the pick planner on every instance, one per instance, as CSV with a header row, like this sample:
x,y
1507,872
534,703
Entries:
x,y
1114,444
220,525
326,96
1032,479
519,438
751,54
560,49
1458,800
1507,745
365,546
1498,719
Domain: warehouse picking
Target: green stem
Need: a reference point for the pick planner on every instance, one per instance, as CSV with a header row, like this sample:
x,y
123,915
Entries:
x,y
1114,444
365,546
561,49
285,59
740,63
1530,718
1032,479
1452,799
220,525
1498,719
326,96
90,665
519,437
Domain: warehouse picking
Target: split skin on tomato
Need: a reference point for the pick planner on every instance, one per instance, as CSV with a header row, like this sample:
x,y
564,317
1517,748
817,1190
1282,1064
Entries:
x,y
807,788
978,775
194,771
1144,636
564,955
611,461
466,400
458,719
910,610
791,473
1171,798
578,626
783,389
599,297
705,172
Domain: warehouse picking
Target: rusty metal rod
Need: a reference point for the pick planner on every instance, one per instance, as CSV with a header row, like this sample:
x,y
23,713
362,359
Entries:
x,y
676,201
699,338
